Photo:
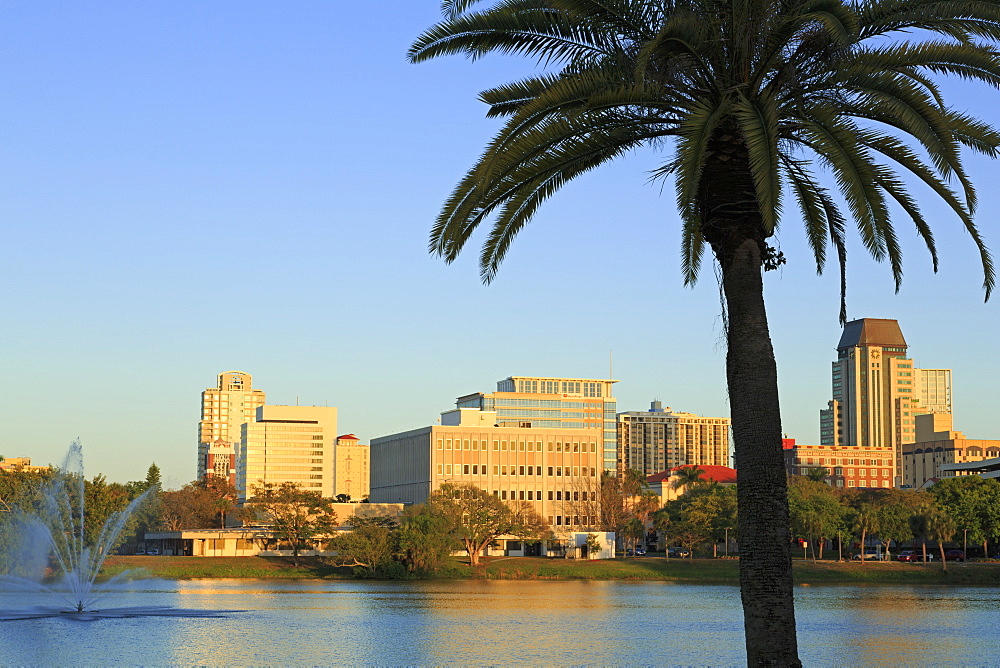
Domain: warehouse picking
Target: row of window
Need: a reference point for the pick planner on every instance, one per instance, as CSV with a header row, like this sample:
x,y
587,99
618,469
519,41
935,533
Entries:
x,y
833,461
523,446
536,495
483,469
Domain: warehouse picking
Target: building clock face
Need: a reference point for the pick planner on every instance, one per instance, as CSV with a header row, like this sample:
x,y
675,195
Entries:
x,y
875,354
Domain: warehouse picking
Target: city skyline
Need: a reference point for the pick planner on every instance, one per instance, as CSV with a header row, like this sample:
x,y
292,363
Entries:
x,y
192,189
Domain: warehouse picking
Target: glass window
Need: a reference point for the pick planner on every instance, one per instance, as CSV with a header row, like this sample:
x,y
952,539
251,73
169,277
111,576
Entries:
x,y
447,444
440,444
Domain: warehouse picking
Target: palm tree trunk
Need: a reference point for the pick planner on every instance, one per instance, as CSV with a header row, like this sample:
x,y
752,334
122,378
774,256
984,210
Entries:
x,y
762,491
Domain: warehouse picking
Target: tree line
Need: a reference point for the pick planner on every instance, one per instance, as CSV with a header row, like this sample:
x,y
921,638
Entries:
x,y
963,510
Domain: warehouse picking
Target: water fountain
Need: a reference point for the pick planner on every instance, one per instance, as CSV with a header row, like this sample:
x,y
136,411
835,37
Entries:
x,y
56,560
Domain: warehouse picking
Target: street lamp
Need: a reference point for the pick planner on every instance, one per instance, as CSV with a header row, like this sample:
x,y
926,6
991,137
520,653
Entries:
x,y
965,544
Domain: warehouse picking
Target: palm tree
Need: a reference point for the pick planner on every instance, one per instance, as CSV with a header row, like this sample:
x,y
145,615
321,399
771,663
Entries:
x,y
688,476
817,474
753,95
938,526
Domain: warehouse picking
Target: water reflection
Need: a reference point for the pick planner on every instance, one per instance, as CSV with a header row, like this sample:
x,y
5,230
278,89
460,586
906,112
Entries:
x,y
514,623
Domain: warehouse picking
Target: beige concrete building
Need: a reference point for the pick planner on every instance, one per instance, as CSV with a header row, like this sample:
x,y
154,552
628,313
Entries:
x,y
848,465
352,468
556,470
21,465
877,392
258,540
554,403
224,410
940,452
288,444
661,439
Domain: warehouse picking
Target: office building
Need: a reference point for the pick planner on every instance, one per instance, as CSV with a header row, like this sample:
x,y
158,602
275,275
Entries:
x,y
934,387
554,403
352,468
661,439
288,444
940,452
847,466
225,408
556,470
877,392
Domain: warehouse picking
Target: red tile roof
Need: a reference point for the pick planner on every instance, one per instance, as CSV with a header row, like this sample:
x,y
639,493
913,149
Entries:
x,y
720,474
348,437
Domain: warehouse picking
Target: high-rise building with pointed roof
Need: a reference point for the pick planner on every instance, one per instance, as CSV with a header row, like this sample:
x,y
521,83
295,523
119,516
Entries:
x,y
225,408
877,391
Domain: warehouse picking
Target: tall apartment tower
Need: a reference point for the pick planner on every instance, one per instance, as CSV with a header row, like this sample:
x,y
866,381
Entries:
x,y
875,391
554,403
224,410
660,439
288,444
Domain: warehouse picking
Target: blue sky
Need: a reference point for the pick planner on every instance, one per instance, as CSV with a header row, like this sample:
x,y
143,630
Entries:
x,y
190,188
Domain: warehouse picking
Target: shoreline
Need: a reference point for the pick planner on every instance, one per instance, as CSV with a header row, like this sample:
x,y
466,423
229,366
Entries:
x,y
705,571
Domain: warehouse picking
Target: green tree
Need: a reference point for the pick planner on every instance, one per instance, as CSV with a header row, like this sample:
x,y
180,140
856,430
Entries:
x,y
296,516
102,499
149,513
893,509
754,94
202,504
368,545
865,523
688,476
425,539
818,474
816,512
936,525
974,503
478,517
625,498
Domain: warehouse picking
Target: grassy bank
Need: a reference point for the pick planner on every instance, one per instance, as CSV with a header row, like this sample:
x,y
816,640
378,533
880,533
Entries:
x,y
527,568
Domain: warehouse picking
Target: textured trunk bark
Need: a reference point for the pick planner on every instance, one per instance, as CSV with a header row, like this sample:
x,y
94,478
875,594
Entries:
x,y
762,492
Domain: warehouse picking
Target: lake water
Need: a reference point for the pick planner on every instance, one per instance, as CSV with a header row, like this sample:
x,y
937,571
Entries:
x,y
508,623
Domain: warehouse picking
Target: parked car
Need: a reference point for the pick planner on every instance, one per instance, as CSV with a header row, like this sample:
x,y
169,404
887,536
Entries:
x,y
870,555
678,553
638,552
954,555
913,556
152,552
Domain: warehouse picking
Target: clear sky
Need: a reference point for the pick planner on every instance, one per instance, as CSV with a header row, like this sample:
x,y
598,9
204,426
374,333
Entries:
x,y
188,188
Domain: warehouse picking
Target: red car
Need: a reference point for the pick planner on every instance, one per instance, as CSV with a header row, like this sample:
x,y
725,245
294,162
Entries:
x,y
954,555
913,556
